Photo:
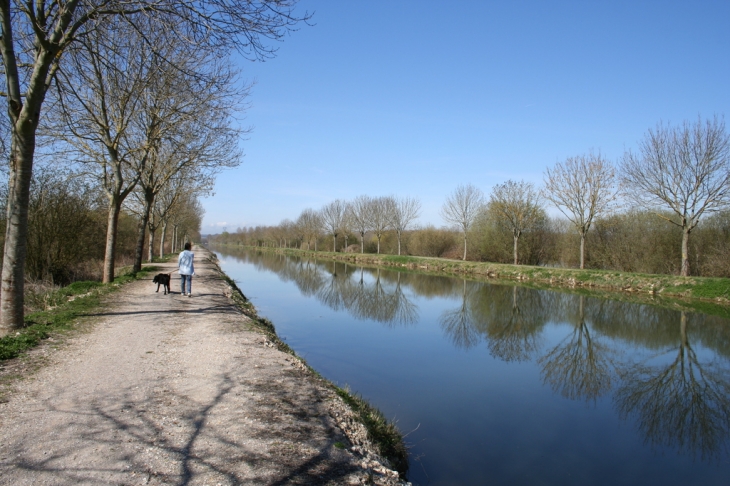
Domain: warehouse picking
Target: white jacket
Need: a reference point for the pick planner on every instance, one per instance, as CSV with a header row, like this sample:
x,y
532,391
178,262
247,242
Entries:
x,y
185,262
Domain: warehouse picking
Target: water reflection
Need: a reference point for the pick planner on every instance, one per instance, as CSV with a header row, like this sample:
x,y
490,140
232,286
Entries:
x,y
460,323
580,366
680,402
666,371
341,286
511,318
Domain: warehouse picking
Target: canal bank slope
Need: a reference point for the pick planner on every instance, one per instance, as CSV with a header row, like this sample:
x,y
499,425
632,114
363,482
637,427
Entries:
x,y
167,389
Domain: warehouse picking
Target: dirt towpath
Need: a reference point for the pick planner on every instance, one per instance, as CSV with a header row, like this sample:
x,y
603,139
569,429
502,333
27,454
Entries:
x,y
166,389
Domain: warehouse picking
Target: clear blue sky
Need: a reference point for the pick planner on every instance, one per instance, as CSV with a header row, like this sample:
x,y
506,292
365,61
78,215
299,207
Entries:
x,y
414,97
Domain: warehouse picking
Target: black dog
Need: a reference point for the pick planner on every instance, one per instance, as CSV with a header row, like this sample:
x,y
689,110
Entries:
x,y
164,280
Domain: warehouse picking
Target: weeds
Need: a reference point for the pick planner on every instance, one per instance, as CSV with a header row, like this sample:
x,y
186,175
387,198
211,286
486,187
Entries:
x,y
382,432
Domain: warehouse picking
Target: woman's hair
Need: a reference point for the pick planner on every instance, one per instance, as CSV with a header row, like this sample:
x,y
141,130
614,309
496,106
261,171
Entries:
x,y
187,245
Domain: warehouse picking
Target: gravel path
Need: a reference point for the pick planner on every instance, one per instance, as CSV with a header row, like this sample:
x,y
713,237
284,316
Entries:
x,y
166,389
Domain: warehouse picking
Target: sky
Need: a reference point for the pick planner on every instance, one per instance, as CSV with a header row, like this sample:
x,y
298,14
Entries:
x,y
415,97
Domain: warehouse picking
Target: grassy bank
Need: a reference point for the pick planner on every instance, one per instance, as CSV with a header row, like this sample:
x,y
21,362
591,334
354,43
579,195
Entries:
x,y
702,294
58,311
382,432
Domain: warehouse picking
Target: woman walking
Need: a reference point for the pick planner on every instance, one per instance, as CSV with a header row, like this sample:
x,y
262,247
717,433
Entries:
x,y
185,267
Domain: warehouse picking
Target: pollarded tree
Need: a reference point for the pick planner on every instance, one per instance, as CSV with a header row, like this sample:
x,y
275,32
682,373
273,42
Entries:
x,y
332,216
359,213
35,36
405,210
380,216
684,169
583,188
517,207
462,207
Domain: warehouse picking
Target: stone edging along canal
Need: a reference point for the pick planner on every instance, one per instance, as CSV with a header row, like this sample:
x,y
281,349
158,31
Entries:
x,y
701,294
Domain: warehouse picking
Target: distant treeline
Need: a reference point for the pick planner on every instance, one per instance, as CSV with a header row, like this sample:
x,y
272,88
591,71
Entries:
x,y
635,216
632,241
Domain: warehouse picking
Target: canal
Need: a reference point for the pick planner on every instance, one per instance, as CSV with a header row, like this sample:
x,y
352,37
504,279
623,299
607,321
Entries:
x,y
506,385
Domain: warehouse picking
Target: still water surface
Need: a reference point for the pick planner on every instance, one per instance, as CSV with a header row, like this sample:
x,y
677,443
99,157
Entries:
x,y
504,385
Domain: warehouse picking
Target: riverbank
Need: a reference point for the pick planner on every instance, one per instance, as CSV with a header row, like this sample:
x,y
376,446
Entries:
x,y
702,294
166,389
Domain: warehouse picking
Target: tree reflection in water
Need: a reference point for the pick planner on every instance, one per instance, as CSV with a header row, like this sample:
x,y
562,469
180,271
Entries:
x,y
677,399
341,286
458,324
384,302
683,403
513,319
579,367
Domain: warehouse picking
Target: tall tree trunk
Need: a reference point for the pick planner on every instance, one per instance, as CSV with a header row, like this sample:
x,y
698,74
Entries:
x,y
111,239
151,239
398,242
379,244
464,259
150,245
116,194
141,228
685,252
362,242
334,243
16,230
24,111
516,238
162,238
139,247
582,249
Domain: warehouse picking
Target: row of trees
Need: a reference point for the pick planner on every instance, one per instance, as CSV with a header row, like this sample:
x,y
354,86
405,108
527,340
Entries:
x,y
678,175
364,215
137,96
67,218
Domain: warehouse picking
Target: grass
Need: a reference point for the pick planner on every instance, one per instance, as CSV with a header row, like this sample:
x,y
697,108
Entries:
x,y
62,308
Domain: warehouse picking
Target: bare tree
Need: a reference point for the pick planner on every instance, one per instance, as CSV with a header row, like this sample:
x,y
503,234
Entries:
x,y
583,188
99,91
332,215
185,218
360,215
517,207
684,169
310,225
380,216
405,210
180,189
35,36
174,119
347,223
461,208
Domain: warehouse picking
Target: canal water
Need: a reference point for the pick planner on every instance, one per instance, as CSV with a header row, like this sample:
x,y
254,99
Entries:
x,y
505,385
